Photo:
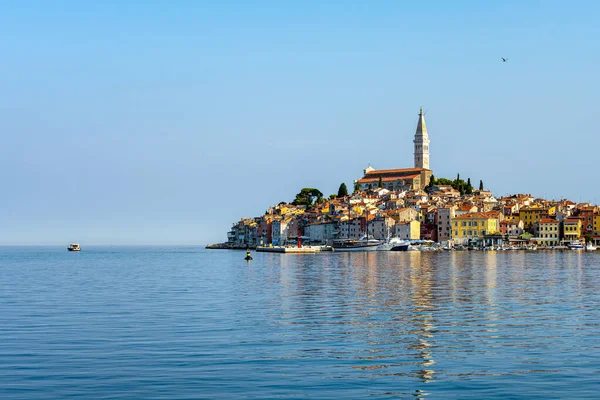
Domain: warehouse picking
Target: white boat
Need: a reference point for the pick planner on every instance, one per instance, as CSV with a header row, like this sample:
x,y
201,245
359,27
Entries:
x,y
590,246
356,245
576,245
390,244
74,247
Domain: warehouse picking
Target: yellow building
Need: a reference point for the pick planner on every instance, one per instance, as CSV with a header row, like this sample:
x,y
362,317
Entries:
x,y
597,229
531,215
473,226
572,229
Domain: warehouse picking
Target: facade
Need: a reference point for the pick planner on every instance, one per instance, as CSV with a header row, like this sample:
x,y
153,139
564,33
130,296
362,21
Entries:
x,y
473,227
587,215
421,143
320,232
572,229
381,228
531,215
445,215
511,228
547,232
408,230
395,179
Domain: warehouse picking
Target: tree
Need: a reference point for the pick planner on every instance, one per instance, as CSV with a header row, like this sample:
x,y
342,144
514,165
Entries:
x,y
332,196
343,190
307,197
444,181
480,185
356,187
468,189
380,183
370,186
588,238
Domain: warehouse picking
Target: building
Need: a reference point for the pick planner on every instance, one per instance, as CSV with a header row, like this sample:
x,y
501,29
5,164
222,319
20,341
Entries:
x,y
320,232
572,229
511,228
445,215
408,230
531,215
547,232
421,143
472,227
395,179
404,178
587,214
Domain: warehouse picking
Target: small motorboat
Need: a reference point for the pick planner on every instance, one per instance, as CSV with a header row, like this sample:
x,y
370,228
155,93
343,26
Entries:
x,y
590,247
74,247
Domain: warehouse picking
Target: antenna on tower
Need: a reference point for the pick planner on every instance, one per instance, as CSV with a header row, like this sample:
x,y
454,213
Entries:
x,y
425,113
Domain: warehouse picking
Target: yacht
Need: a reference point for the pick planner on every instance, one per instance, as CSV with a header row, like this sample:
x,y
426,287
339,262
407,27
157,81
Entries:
x,y
391,243
74,247
576,245
590,246
356,245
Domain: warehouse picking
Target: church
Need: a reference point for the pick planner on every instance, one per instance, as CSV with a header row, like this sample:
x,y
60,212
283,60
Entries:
x,y
404,178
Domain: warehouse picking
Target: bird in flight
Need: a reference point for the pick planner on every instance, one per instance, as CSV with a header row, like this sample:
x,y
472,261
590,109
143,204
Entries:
x,y
504,59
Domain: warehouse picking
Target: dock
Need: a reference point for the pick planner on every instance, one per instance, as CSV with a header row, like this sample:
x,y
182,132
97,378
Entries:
x,y
293,250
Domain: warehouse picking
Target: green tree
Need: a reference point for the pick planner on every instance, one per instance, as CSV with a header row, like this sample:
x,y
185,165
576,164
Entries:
x,y
343,190
380,183
444,181
588,238
480,185
356,187
307,197
332,196
468,189
370,186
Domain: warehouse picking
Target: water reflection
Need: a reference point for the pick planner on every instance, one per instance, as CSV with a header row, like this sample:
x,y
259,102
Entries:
x,y
423,316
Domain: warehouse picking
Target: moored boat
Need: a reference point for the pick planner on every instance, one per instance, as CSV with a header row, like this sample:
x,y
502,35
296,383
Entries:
x,y
590,247
576,245
356,245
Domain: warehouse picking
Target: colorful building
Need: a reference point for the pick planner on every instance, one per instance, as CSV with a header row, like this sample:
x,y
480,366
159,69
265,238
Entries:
x,y
531,215
572,229
473,227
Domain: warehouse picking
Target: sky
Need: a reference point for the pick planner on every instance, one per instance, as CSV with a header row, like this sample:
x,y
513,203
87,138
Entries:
x,y
163,122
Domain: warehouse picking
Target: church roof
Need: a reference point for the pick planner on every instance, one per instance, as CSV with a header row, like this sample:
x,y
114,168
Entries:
x,y
368,178
399,171
421,127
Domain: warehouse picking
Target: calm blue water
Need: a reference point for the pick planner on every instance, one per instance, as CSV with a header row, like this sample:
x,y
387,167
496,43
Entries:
x,y
184,322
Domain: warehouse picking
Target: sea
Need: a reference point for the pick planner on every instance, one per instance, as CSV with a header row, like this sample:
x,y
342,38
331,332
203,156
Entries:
x,y
172,322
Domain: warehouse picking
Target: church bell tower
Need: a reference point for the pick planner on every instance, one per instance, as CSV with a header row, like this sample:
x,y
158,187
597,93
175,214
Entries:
x,y
421,143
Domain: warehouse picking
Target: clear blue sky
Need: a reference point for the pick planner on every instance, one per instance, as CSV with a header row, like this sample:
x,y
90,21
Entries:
x,y
158,122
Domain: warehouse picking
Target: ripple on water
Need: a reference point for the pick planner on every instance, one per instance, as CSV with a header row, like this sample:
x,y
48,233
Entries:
x,y
169,322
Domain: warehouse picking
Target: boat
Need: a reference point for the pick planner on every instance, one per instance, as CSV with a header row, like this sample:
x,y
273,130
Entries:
x,y
590,247
576,245
390,244
74,247
404,245
356,245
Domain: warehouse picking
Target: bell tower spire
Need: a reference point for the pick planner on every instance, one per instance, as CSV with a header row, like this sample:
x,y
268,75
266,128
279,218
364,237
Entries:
x,y
421,143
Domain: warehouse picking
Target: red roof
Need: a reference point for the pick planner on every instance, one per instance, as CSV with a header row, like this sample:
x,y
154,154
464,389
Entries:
x,y
548,221
387,179
396,171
